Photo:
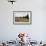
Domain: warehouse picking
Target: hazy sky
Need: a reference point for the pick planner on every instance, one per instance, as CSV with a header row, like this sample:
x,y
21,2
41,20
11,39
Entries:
x,y
20,14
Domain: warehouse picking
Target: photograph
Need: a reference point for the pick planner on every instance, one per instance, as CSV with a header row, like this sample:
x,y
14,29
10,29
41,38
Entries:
x,y
22,17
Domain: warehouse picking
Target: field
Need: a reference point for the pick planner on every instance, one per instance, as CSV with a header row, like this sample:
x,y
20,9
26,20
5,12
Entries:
x,y
21,19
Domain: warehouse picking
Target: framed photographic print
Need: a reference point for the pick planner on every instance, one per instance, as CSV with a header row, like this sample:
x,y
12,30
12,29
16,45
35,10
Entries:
x,y
22,17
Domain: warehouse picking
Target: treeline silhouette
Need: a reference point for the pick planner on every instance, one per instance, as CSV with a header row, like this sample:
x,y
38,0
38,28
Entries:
x,y
27,16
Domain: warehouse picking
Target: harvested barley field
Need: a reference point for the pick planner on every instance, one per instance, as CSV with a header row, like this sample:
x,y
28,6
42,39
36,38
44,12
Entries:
x,y
21,19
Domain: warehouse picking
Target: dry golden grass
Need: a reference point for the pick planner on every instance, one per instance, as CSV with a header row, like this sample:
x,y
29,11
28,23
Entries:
x,y
21,19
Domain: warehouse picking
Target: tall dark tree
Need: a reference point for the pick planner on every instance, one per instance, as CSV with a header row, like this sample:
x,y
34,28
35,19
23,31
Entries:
x,y
27,16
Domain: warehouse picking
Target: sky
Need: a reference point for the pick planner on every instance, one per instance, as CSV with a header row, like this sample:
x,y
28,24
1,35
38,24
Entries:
x,y
20,14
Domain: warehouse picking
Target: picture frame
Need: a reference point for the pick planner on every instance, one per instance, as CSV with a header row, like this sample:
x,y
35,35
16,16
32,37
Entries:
x,y
22,17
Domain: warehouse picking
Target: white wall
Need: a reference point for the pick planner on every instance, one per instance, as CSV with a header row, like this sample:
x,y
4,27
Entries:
x,y
9,31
